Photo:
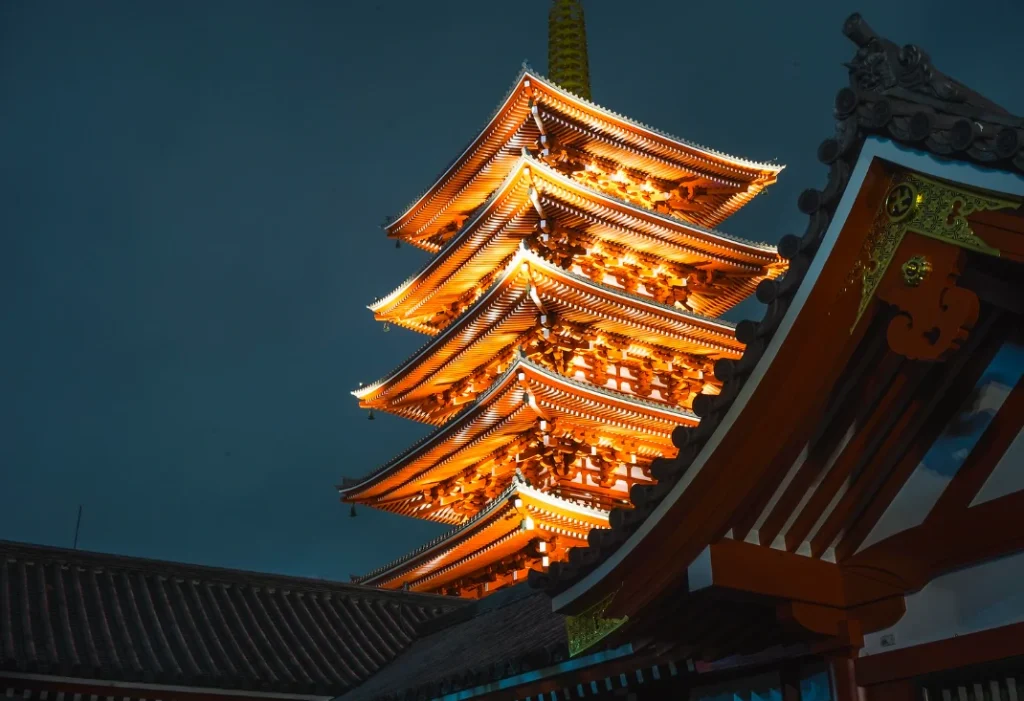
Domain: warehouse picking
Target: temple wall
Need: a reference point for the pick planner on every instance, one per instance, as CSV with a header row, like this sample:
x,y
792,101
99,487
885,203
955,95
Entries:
x,y
985,596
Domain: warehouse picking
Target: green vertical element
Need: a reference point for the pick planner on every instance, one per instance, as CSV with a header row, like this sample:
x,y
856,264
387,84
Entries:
x,y
567,47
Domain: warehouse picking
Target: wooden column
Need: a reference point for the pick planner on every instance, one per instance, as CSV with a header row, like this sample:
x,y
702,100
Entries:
x,y
844,680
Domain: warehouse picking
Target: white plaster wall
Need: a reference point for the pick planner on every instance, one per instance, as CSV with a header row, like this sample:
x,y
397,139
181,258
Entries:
x,y
985,596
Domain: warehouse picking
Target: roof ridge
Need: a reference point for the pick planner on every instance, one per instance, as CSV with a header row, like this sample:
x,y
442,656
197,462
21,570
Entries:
x,y
15,550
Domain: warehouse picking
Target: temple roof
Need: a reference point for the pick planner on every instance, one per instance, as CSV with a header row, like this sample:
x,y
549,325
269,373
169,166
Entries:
x,y
512,405
532,101
518,515
498,637
893,93
120,619
492,234
508,309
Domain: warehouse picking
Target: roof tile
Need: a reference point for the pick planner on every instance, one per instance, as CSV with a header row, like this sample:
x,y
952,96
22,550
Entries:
x,y
115,618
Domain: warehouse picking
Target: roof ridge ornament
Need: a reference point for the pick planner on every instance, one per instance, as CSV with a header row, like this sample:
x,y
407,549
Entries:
x,y
568,64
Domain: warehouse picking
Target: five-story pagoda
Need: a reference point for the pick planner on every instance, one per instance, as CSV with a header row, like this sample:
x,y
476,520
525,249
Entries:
x,y
570,303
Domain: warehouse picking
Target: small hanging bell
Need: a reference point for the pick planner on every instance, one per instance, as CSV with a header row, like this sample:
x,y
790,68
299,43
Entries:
x,y
398,244
370,417
387,327
352,513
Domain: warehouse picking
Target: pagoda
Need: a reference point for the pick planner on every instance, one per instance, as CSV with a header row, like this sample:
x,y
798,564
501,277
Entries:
x,y
571,305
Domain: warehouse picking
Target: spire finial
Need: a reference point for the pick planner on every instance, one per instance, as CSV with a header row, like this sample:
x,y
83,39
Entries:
x,y
568,65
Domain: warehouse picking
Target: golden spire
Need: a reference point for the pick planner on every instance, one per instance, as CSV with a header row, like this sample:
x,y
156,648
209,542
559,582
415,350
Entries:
x,y
567,47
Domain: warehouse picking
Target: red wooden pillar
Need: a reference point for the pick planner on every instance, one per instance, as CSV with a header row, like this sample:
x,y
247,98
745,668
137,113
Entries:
x,y
844,680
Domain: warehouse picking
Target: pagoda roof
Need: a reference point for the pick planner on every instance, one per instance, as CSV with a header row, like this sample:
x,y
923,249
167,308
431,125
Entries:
x,y
109,618
808,491
518,515
475,173
508,309
524,393
496,229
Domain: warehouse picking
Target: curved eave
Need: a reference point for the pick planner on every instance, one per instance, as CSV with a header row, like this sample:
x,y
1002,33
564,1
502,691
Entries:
x,y
595,404
513,111
473,534
673,325
819,314
635,227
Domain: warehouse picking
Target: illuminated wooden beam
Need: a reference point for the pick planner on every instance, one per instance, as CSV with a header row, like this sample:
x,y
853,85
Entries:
x,y
615,338
615,238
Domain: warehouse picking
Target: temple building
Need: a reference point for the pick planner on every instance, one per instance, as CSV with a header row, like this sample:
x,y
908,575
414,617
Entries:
x,y
831,512
844,522
572,302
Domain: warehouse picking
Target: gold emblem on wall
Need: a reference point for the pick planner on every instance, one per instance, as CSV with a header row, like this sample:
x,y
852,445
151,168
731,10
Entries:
x,y
927,207
915,270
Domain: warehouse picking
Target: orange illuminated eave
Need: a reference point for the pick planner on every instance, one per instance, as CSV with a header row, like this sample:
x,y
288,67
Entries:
x,y
519,517
535,104
524,395
534,195
529,289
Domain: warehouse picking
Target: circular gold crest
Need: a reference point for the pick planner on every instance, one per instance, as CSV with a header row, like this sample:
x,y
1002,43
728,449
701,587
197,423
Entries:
x,y
915,270
901,202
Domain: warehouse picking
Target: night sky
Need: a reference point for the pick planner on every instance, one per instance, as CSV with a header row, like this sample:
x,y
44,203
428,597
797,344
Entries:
x,y
191,197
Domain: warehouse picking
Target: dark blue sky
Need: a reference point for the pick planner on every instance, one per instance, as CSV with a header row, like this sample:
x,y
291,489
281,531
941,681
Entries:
x,y
190,201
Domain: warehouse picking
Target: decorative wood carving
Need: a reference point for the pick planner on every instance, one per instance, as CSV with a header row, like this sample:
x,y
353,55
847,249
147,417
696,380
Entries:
x,y
935,315
590,627
929,208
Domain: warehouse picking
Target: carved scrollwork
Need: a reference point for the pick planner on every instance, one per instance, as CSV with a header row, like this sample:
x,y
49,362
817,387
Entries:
x,y
927,207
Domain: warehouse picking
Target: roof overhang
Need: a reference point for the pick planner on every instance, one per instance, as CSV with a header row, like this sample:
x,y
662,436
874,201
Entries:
x,y
517,516
825,308
516,109
511,213
524,394
510,307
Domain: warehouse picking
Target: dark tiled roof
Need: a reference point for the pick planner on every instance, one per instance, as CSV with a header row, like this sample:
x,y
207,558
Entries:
x,y
88,615
895,93
506,634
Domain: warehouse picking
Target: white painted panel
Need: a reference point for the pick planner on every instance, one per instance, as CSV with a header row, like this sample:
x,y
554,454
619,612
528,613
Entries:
x,y
1008,475
973,599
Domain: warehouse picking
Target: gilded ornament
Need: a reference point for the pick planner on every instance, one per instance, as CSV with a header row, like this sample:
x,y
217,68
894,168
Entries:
x,y
915,270
901,202
927,207
590,627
